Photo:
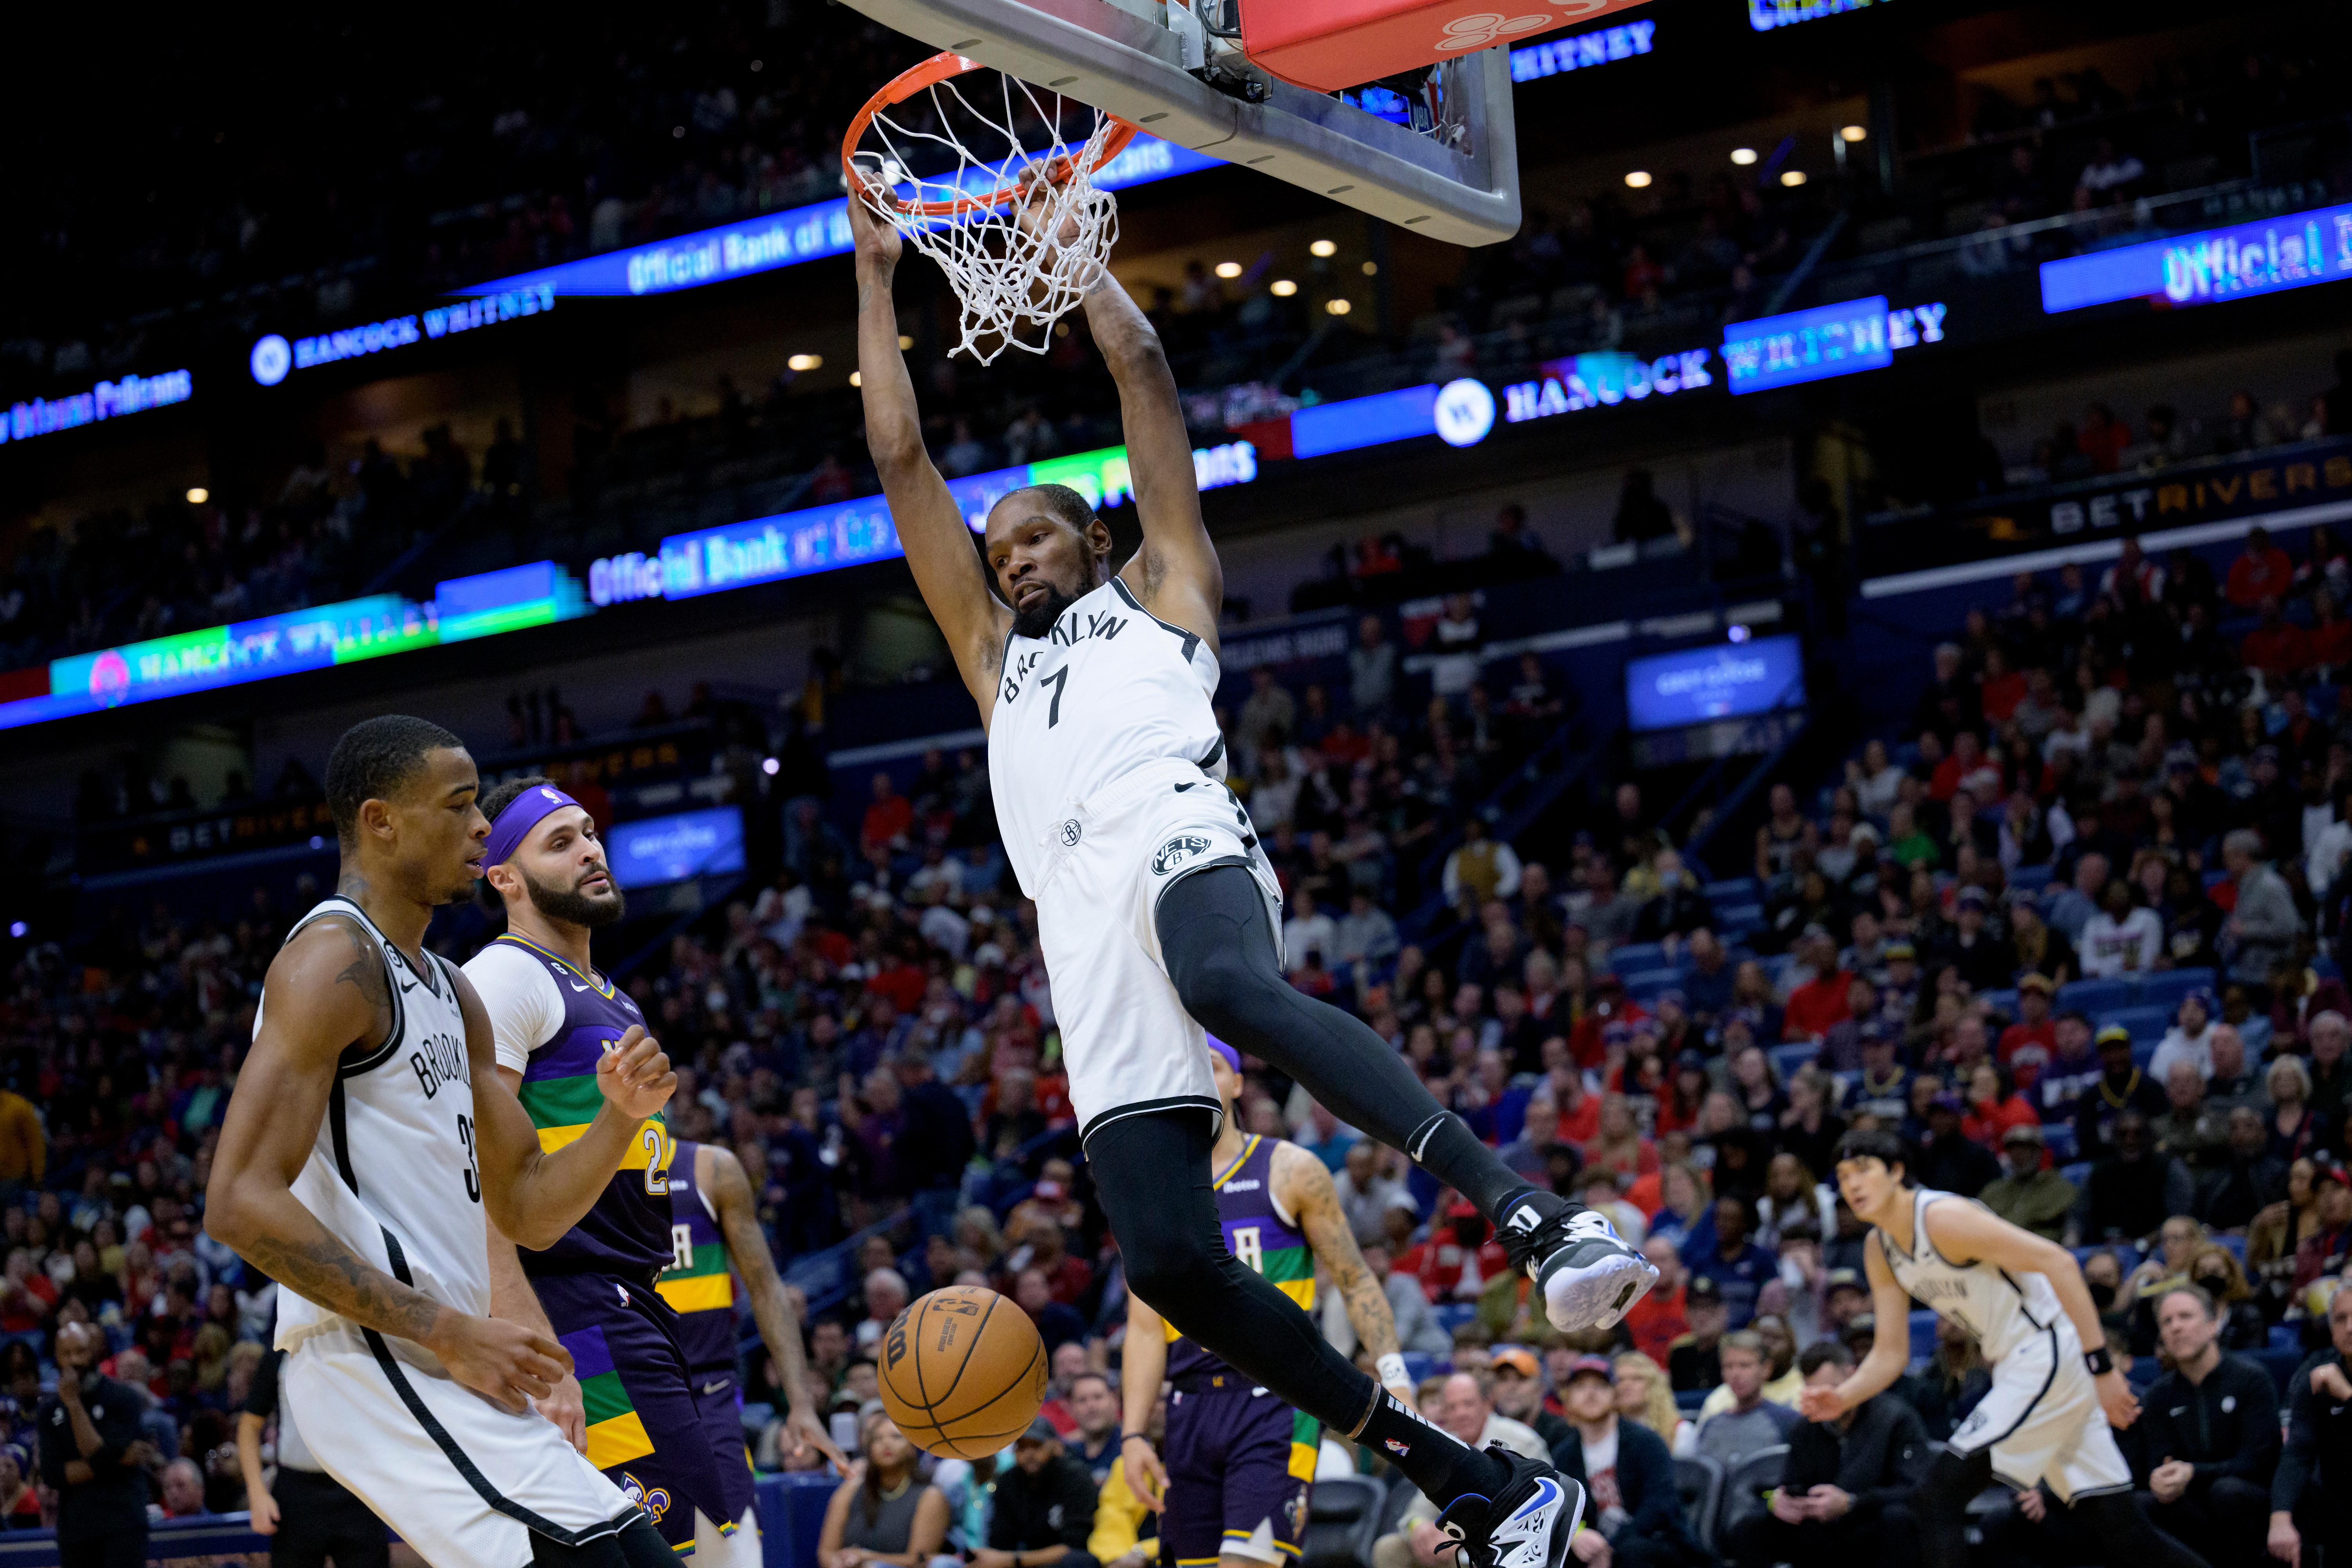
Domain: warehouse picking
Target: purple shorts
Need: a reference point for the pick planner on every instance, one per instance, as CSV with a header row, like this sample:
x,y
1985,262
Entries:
x,y
1239,1462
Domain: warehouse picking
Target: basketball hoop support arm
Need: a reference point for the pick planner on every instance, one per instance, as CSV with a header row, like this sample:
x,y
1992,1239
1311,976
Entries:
x,y
1106,56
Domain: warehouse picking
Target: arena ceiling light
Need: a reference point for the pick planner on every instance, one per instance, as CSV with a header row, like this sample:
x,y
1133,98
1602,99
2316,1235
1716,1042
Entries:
x,y
1338,307
1372,269
905,342
1325,248
198,495
1792,178
1284,288
1743,156
1229,269
1853,132
1638,178
806,362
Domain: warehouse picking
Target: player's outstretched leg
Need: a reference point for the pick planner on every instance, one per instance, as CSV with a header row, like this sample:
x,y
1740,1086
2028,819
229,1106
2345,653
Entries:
x,y
1152,1173
1217,941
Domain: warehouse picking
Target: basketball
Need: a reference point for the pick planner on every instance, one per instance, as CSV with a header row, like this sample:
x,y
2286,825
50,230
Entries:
x,y
963,1373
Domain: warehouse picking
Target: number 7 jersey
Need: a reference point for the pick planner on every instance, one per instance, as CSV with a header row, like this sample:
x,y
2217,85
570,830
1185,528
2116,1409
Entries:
x,y
1110,689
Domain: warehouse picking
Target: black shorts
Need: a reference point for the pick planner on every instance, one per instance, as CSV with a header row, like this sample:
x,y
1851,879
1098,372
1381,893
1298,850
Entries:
x,y
318,1520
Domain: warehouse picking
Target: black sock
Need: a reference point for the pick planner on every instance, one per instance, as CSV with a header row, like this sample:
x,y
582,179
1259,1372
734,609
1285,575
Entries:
x,y
1219,947
1438,1463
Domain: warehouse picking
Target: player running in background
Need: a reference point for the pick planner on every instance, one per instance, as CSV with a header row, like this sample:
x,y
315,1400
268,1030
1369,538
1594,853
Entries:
x,y
369,1146
1233,1489
2048,1416
714,1222
1156,915
636,1407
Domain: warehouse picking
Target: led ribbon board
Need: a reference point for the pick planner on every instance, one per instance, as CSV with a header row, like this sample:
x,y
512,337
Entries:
x,y
106,400
297,640
2210,266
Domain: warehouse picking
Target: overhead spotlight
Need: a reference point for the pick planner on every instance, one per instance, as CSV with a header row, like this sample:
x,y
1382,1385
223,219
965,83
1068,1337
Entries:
x,y
1324,248
1743,156
771,767
806,362
1638,178
17,929
1372,269
1855,132
1284,288
855,379
1738,632
198,495
759,64
1338,307
905,342
1229,269
1792,178
677,132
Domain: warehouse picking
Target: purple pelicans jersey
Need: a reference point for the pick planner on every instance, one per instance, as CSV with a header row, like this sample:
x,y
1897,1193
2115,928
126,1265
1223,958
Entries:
x,y
627,1231
699,1283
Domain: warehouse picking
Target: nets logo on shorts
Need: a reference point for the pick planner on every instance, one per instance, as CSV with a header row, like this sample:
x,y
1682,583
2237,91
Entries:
x,y
1068,833
1183,848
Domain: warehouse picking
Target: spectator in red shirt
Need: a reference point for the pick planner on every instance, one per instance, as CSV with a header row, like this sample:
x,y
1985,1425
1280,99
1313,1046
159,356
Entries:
x,y
888,819
2002,688
2035,1026
2329,641
1459,1241
2261,571
1658,1320
1821,1002
2103,438
1580,1112
1964,769
2277,646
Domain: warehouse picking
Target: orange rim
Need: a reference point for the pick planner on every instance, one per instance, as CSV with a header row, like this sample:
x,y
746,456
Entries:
x,y
941,68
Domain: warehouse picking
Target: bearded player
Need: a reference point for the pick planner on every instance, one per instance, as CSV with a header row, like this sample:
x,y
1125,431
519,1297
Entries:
x,y
635,1406
2049,1414
369,1146
1239,1461
1156,915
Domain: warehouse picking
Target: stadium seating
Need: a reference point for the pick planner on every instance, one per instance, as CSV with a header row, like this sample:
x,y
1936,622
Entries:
x,y
1700,1482
1343,1518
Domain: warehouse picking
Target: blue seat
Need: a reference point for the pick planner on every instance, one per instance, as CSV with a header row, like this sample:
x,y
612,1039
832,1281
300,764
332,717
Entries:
x,y
1418,1366
2144,1053
2095,996
2165,987
1733,888
1787,1059
2030,878
2279,1363
1689,1400
2256,1032
2286,1337
2234,1245
1923,1331
2145,1023
2058,1137
2000,1001
1451,1315
2077,1172
1628,958
2325,967
1643,984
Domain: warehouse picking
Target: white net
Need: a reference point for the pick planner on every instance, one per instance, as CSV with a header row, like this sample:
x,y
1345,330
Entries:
x,y
1018,264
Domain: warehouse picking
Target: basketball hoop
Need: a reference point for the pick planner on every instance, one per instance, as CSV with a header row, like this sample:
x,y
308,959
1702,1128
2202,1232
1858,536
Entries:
x,y
1016,223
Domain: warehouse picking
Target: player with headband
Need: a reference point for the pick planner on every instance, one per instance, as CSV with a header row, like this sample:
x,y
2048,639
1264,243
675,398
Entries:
x,y
632,1406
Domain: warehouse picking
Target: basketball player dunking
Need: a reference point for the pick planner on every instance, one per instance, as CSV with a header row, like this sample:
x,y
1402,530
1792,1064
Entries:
x,y
1156,915
1239,1460
670,1440
367,1148
2050,1414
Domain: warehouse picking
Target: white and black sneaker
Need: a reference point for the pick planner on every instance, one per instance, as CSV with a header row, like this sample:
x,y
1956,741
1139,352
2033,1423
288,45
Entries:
x,y
1527,1525
1588,1275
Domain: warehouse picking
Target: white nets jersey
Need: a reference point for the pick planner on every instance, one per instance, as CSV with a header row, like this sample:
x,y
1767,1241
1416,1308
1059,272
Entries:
x,y
1109,690
2002,1309
393,1172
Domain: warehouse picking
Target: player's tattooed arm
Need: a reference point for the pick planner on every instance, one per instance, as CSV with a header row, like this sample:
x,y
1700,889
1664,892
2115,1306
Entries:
x,y
719,1173
363,971
1303,1182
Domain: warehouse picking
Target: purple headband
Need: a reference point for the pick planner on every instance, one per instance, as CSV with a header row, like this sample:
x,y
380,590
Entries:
x,y
1233,1057
520,816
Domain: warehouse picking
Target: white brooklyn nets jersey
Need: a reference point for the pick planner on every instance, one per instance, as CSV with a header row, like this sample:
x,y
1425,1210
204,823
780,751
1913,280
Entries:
x,y
393,1172
1109,690
2000,1310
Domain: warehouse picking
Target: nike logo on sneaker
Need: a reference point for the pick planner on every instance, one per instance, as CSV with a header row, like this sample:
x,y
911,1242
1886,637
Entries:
x,y
1524,1219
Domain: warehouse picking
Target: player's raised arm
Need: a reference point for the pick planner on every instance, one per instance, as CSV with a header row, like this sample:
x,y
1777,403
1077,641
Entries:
x,y
1142,1368
1303,1184
1176,573
930,526
326,991
1959,1228
1890,1344
719,1173
534,1197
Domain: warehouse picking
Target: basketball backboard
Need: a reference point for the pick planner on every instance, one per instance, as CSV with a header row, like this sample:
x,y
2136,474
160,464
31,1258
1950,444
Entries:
x,y
1136,60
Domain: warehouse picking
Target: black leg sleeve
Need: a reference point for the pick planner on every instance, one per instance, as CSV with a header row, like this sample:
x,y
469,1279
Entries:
x,y
2129,1539
1219,947
1940,1507
1152,1174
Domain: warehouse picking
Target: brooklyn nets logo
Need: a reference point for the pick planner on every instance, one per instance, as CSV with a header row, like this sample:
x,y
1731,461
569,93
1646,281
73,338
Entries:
x,y
1068,833
1177,851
